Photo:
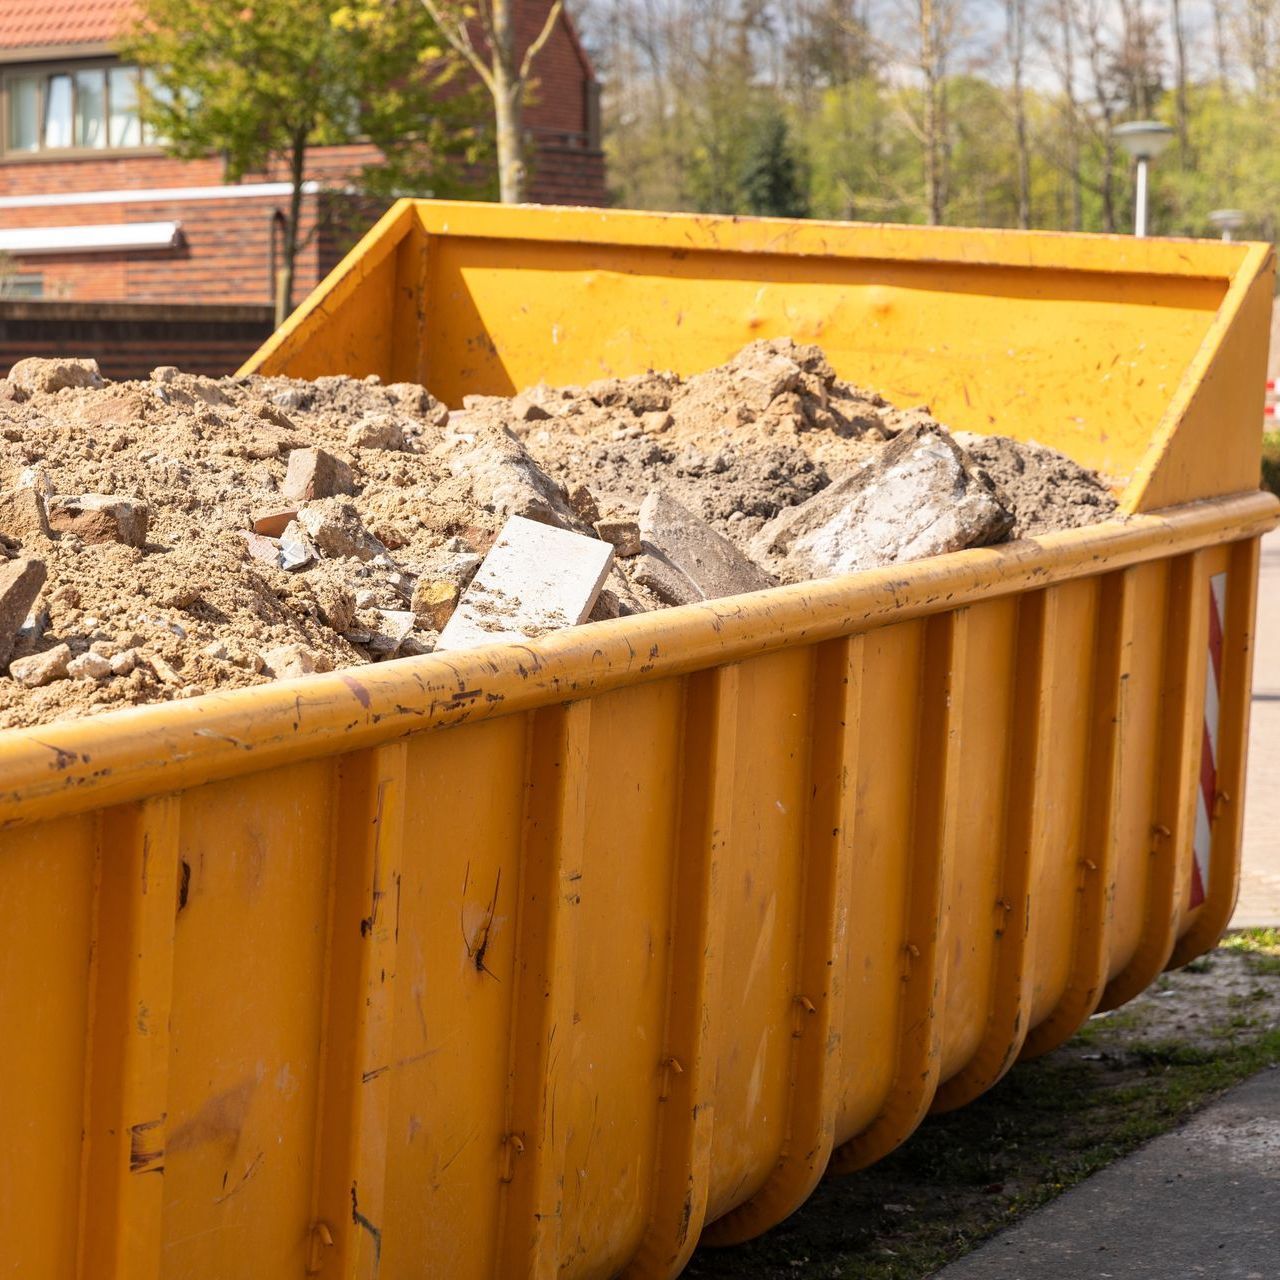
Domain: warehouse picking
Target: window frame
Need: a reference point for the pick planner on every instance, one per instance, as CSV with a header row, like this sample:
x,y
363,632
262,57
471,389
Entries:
x,y
44,71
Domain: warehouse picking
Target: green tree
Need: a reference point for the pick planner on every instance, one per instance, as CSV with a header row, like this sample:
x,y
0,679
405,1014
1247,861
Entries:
x,y
773,182
263,81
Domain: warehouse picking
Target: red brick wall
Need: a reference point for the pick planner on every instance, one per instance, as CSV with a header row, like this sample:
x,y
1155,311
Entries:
x,y
226,251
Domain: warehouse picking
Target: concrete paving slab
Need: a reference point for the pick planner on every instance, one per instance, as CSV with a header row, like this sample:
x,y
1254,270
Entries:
x,y
1203,1201
1259,902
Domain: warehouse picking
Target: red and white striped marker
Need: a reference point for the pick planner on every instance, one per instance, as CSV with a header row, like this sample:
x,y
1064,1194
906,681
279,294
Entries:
x,y
1206,799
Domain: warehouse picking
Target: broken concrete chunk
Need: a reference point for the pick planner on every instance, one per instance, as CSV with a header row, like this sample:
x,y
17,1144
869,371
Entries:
x,y
505,479
37,373
41,668
335,529
289,660
624,535
92,666
709,563
23,515
20,583
271,524
393,628
665,581
296,551
535,579
313,473
265,549
100,517
917,497
381,431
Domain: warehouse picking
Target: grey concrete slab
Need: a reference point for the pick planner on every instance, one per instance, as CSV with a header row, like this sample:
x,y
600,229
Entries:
x,y
1203,1201
1259,902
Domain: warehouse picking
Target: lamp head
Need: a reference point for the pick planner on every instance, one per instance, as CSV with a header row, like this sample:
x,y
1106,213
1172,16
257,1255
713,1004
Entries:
x,y
1228,219
1143,139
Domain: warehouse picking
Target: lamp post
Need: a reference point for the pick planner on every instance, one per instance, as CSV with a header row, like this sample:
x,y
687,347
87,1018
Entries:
x,y
1143,140
1227,221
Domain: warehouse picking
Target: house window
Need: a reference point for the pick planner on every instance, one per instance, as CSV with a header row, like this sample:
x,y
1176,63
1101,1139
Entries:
x,y
21,286
85,108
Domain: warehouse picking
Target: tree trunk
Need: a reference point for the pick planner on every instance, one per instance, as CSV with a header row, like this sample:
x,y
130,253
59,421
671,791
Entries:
x,y
1220,48
1016,15
508,99
507,114
289,254
1180,97
934,181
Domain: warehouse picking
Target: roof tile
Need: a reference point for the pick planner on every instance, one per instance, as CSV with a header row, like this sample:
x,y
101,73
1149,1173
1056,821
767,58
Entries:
x,y
28,24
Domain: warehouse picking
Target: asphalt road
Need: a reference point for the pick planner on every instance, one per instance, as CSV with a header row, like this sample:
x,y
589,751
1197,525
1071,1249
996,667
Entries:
x,y
1259,902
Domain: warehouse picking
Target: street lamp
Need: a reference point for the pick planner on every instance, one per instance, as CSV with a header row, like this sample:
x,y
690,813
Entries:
x,y
1228,221
1143,140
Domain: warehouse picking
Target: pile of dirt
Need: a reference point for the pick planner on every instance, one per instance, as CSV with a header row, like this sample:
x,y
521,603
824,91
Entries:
x,y
197,533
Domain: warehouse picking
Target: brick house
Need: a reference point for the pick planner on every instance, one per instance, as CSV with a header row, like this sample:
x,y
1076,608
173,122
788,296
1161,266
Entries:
x,y
92,210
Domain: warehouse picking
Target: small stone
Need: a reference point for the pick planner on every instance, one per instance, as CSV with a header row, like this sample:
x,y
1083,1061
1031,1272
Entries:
x,y
296,551
525,409
314,473
656,422
366,599
37,479
36,373
337,606
217,650
583,504
23,516
292,398
164,373
335,529
289,660
41,668
434,602
100,518
191,691
623,534
378,432
164,672
20,583
393,626
89,665
271,524
124,662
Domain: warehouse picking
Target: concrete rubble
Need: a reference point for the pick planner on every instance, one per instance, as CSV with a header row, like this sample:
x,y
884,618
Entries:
x,y
685,560
535,580
165,538
917,497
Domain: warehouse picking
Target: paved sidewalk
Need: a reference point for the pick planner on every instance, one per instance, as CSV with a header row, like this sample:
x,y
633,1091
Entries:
x,y
1203,1201
1259,902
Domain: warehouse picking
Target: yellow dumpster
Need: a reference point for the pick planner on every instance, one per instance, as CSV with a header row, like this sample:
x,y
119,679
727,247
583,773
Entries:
x,y
548,961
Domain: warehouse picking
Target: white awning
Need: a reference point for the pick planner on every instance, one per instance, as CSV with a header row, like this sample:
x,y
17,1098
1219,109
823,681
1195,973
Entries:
x,y
107,238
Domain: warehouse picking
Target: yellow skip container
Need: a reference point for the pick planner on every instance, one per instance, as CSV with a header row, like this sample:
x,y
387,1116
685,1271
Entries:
x,y
545,961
